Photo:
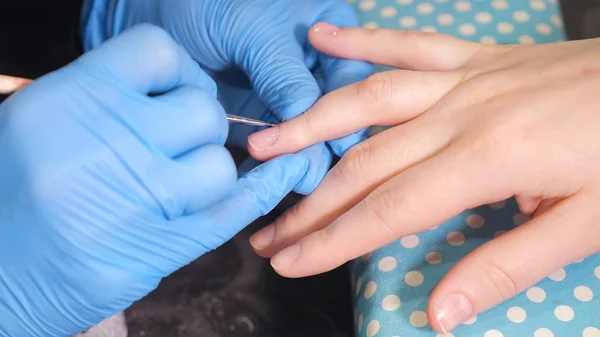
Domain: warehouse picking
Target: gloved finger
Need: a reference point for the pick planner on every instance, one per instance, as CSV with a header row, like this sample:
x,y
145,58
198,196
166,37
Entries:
x,y
254,195
514,261
280,77
404,49
386,98
319,158
340,72
357,174
242,101
146,59
183,119
453,181
200,178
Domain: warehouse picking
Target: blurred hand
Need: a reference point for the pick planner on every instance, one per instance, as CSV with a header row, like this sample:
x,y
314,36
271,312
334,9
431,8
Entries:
x,y
249,44
105,190
473,125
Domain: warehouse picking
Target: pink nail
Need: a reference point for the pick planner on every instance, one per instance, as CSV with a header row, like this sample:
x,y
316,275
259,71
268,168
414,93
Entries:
x,y
326,28
285,258
452,310
263,238
263,139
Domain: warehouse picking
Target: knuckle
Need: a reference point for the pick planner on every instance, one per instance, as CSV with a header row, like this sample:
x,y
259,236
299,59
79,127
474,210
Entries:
x,y
381,206
375,90
355,163
500,280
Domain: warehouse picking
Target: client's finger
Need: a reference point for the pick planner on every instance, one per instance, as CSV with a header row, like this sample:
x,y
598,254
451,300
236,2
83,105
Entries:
x,y
513,262
386,98
361,170
419,198
404,49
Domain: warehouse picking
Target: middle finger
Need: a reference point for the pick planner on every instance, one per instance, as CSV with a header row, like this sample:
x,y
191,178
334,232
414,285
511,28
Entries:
x,y
360,171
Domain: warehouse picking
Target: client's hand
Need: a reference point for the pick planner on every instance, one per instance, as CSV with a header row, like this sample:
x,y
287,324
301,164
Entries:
x,y
475,124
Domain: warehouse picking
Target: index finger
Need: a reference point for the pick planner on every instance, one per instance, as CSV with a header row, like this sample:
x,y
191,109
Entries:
x,y
386,98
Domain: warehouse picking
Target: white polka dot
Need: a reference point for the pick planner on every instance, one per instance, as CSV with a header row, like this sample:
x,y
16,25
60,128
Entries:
x,y
373,328
404,2
471,320
445,19
597,272
366,5
516,314
558,275
447,334
543,332
387,263
483,17
371,25
388,12
564,313
410,241
475,220
358,285
537,5
408,21
391,303
543,29
414,278
498,205
505,28
425,8
467,29
519,218
500,4
536,294
359,324
591,332
499,233
521,16
433,258
526,39
493,333
429,29
488,40
557,21
370,289
367,256
455,238
462,6
583,293
418,319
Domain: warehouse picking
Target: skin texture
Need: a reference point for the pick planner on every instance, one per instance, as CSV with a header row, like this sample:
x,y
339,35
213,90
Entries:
x,y
471,125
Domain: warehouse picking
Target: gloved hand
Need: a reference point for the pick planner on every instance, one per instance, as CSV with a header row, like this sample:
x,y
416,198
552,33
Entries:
x,y
105,190
265,39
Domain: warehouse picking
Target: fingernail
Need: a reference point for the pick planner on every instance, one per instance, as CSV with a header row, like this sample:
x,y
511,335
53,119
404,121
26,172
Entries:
x,y
326,28
263,139
452,310
263,238
285,258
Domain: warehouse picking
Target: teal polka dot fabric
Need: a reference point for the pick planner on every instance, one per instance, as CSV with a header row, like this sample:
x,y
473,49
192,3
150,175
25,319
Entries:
x,y
392,285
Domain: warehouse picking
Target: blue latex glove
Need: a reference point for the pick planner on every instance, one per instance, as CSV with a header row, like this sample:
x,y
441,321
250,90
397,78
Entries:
x,y
106,190
265,39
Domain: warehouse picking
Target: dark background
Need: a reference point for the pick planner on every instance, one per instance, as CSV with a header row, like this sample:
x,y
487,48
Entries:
x,y
230,292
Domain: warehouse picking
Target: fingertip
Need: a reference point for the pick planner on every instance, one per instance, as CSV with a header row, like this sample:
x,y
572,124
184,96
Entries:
x,y
322,34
